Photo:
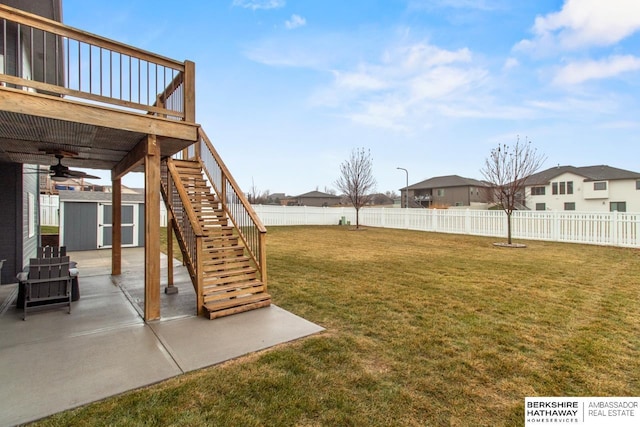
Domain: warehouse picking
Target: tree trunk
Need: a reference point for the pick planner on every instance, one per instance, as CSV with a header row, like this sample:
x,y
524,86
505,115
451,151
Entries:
x,y
357,218
508,228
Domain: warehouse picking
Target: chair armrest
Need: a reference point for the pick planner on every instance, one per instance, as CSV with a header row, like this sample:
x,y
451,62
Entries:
x,y
52,279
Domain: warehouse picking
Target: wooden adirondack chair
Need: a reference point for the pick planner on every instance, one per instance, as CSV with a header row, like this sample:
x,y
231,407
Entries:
x,y
49,280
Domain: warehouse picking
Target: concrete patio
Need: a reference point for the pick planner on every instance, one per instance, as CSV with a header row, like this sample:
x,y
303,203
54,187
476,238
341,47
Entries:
x,y
104,348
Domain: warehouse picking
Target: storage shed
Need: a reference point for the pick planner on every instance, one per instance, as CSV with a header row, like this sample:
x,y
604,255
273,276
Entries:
x,y
85,220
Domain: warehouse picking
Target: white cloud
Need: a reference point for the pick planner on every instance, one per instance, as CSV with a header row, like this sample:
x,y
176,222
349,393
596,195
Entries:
x,y
408,80
584,23
386,115
296,21
579,72
259,4
358,81
510,63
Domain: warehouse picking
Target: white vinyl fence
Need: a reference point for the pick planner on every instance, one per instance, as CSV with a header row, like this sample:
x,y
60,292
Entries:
x,y
598,228
49,205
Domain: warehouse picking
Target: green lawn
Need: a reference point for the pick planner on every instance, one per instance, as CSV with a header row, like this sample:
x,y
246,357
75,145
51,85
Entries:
x,y
422,329
49,229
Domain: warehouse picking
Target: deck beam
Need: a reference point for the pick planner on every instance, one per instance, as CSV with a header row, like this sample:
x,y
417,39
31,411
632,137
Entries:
x,y
36,104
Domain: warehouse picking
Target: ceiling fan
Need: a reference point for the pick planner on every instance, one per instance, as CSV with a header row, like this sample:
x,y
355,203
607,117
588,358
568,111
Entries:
x,y
60,172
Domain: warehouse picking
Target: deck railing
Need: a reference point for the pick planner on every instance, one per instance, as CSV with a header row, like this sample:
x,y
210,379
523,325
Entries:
x,y
42,55
188,229
247,223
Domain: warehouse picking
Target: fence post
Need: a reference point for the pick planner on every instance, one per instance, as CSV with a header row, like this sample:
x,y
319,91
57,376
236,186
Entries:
x,y
555,233
467,221
614,228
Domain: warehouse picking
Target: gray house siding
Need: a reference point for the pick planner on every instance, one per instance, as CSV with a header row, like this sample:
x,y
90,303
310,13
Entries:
x,y
80,225
453,196
10,233
16,245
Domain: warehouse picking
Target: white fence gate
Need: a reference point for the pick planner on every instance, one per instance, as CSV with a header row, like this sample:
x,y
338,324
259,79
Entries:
x,y
49,205
598,228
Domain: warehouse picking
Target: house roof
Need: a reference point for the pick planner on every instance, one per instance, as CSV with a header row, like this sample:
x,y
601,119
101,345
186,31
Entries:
x,y
447,181
590,173
318,194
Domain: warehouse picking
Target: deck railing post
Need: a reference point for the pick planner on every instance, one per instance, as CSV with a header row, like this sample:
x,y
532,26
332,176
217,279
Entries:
x,y
189,91
263,258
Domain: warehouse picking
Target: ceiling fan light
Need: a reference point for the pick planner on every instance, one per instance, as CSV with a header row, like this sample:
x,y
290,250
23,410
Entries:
x,y
58,178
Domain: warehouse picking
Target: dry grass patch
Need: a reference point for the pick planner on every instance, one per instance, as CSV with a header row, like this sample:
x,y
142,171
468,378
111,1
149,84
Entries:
x,y
422,329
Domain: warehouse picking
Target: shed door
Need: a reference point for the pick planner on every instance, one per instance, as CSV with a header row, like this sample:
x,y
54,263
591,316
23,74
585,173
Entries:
x,y
129,233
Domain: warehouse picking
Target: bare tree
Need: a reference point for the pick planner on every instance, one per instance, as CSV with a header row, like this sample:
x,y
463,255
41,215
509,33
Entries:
x,y
506,170
356,179
255,196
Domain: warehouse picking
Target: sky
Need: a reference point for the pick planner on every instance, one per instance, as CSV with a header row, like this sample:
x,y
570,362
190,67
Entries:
x,y
286,89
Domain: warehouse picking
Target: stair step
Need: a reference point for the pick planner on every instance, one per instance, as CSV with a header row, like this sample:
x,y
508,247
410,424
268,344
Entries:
x,y
211,225
227,251
236,291
222,243
213,237
231,278
227,268
215,263
239,305
229,286
182,162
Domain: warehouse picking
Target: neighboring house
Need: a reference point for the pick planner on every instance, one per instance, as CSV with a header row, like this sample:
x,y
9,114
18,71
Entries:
x,y
49,186
590,188
444,191
314,198
381,200
277,199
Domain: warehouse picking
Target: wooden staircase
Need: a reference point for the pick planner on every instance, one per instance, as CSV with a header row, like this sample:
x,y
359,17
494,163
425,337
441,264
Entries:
x,y
230,281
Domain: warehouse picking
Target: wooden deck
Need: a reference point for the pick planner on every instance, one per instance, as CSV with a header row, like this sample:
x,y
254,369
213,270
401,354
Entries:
x,y
124,109
33,123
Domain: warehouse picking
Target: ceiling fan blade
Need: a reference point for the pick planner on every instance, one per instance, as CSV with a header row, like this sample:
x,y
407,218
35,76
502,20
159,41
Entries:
x,y
79,174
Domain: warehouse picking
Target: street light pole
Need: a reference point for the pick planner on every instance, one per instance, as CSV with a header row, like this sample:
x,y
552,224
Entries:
x,y
406,188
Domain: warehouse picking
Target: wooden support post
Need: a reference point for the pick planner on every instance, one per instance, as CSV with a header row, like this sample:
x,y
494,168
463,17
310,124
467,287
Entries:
x,y
116,227
152,229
